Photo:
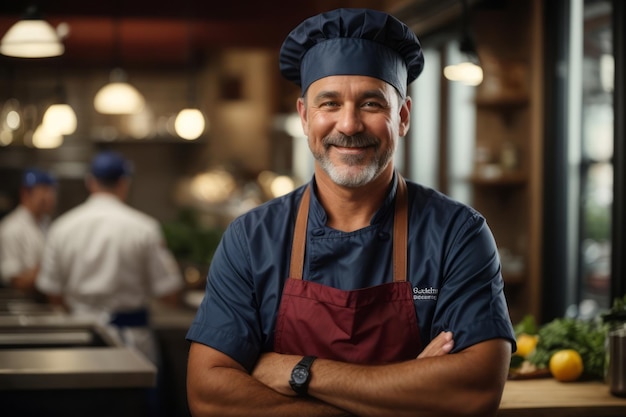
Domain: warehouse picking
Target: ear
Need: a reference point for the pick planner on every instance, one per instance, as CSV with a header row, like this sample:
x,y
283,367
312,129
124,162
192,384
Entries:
x,y
405,117
89,182
302,111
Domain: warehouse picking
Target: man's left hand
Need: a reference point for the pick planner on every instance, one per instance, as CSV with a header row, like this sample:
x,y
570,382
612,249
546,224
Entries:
x,y
274,370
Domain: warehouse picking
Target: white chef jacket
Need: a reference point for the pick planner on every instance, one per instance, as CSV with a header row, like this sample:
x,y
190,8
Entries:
x,y
21,243
105,257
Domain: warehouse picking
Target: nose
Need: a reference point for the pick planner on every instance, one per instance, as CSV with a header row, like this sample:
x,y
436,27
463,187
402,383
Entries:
x,y
349,122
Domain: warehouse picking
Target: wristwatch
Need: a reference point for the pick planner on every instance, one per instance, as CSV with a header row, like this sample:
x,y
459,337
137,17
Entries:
x,y
301,375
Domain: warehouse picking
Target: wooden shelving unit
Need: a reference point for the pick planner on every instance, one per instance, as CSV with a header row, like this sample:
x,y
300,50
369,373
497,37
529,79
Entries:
x,y
507,188
503,179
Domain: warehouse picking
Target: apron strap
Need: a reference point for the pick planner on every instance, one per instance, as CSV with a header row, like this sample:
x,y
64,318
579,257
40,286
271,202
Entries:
x,y
299,237
400,233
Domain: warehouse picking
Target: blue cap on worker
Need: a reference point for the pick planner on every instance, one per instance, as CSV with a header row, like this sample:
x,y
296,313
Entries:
x,y
352,42
35,176
110,166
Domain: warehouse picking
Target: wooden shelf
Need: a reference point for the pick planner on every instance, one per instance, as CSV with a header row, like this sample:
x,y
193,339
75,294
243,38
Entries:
x,y
503,179
503,101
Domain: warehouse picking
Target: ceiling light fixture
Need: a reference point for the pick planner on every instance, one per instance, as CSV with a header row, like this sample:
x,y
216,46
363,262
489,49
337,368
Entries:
x,y
60,118
190,122
118,96
43,138
468,71
31,37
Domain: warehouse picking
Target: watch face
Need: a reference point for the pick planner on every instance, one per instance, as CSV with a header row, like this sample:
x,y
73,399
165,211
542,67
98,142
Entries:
x,y
300,375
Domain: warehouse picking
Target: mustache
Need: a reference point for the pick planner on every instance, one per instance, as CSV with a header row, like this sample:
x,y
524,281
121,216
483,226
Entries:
x,y
361,140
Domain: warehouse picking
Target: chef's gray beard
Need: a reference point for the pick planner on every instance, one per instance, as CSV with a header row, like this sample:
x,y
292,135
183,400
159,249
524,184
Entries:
x,y
357,171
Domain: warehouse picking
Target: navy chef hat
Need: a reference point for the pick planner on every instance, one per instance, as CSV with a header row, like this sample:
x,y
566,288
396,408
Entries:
x,y
35,176
352,42
110,166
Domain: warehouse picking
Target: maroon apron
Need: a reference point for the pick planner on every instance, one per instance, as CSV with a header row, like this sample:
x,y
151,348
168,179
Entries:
x,y
372,325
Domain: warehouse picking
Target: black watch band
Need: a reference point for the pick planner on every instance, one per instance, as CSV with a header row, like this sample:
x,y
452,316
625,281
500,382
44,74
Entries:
x,y
301,375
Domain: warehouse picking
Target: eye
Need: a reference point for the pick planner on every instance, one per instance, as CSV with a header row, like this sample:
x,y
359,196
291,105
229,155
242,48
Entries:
x,y
329,104
373,105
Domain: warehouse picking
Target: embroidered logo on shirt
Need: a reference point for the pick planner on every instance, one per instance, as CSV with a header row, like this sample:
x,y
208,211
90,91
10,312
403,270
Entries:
x,y
428,293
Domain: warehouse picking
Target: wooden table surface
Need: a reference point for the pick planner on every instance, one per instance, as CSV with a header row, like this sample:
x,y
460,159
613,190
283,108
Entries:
x,y
548,397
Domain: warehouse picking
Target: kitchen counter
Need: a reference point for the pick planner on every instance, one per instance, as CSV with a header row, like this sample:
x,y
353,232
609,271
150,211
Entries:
x,y
548,397
59,366
106,367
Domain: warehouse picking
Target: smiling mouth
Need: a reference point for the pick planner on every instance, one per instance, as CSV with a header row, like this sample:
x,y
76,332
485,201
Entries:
x,y
356,143
350,149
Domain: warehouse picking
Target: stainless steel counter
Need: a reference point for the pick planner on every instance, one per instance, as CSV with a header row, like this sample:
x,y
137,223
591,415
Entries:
x,y
56,365
59,351
84,368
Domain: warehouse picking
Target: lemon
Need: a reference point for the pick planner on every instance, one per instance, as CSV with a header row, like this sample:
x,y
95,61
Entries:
x,y
566,365
526,344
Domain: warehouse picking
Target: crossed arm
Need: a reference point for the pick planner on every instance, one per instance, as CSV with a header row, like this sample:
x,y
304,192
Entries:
x,y
467,383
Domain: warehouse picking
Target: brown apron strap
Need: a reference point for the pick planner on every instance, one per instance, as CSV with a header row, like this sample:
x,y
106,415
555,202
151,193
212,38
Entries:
x,y
400,231
299,237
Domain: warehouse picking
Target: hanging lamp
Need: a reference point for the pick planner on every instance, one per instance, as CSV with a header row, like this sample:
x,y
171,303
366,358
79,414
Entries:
x,y
60,116
190,122
468,71
44,138
31,37
118,96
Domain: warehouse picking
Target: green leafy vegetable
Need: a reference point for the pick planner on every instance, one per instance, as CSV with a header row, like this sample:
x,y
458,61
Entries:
x,y
527,325
617,313
189,240
516,361
585,337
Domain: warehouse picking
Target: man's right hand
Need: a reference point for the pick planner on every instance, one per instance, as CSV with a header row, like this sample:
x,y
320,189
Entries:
x,y
439,346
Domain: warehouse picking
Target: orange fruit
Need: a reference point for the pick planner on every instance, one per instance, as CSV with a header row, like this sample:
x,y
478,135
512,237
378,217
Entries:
x,y
566,365
526,344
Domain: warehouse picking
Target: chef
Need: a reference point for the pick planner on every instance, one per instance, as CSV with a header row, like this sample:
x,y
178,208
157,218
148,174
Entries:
x,y
361,292
22,231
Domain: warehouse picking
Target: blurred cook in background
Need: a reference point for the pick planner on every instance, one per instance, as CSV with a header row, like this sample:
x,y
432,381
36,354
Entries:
x,y
106,260
23,230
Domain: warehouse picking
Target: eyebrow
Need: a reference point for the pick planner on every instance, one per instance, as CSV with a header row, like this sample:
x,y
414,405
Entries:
x,y
326,94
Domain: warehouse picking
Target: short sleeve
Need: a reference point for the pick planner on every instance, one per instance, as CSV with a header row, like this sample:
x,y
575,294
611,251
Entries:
x,y
227,319
472,303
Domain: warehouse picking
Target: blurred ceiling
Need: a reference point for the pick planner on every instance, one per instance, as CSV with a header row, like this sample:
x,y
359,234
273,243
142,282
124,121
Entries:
x,y
136,33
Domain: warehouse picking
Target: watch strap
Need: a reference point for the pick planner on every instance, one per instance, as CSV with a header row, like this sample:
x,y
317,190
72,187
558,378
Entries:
x,y
304,363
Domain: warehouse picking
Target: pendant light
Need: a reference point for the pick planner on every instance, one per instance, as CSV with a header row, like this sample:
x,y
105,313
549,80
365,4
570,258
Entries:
x,y
60,116
44,138
468,71
31,37
190,122
10,121
118,96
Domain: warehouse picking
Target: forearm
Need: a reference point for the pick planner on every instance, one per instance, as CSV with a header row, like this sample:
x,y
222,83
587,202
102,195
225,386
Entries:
x,y
229,392
448,385
225,389
25,281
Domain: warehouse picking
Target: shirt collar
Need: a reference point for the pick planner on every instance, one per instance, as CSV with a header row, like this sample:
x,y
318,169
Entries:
x,y
319,216
104,197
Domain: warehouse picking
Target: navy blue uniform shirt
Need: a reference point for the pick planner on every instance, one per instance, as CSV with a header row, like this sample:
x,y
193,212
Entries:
x,y
453,267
